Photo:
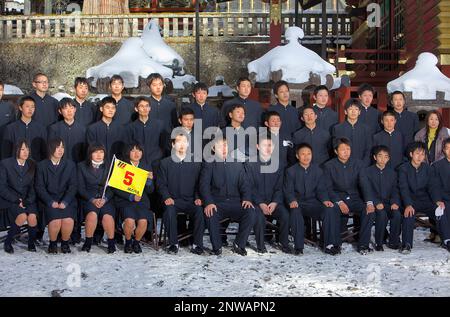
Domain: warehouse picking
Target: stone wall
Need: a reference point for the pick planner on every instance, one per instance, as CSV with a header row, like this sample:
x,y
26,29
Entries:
x,y
64,60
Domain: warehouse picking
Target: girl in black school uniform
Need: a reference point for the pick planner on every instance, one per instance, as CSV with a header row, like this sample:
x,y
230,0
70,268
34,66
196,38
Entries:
x,y
56,187
92,175
17,193
136,209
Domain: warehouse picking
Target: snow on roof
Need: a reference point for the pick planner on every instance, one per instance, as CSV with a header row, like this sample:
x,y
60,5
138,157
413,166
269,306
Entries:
x,y
424,80
294,60
139,57
12,90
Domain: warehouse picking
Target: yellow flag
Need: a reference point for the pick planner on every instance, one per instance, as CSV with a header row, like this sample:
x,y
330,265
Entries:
x,y
128,178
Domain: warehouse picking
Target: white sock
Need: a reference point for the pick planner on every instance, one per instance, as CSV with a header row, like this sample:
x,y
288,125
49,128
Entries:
x,y
330,246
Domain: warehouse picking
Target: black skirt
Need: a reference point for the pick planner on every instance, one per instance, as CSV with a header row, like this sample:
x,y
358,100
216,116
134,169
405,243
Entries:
x,y
54,214
137,212
107,209
16,210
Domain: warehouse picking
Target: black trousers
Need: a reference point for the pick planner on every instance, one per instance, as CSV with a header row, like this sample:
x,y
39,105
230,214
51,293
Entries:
x,y
316,210
281,215
231,209
196,215
358,208
382,217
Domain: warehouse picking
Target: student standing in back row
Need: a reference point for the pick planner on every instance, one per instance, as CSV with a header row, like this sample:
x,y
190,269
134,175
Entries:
x,y
46,106
326,117
289,115
124,107
209,116
86,111
407,121
369,115
70,131
163,108
253,109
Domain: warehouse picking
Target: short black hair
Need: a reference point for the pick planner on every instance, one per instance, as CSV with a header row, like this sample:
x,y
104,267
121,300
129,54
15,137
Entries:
x,y
397,92
339,141
200,86
94,148
270,114
302,146
302,110
80,80
185,111
130,147
444,143
65,102
139,99
417,146
53,144
352,102
106,100
388,113
365,87
319,88
242,79
154,76
24,99
380,148
114,78
18,146
234,107
278,85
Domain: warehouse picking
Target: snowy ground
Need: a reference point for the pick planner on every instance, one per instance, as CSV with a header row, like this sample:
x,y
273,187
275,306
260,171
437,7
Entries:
x,y
424,272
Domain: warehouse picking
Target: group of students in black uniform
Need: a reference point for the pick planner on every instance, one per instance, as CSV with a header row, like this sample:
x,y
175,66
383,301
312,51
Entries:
x,y
375,167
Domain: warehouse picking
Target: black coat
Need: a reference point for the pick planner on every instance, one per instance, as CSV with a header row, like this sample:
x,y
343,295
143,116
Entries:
x,y
417,184
209,115
302,184
326,118
178,180
360,136
396,144
221,181
320,141
253,112
289,115
266,187
35,134
74,137
407,124
380,186
371,117
46,112
91,182
86,113
441,172
166,111
17,183
110,136
56,184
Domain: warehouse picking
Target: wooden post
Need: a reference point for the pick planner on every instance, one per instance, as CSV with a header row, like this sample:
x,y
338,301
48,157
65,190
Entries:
x,y
275,23
445,69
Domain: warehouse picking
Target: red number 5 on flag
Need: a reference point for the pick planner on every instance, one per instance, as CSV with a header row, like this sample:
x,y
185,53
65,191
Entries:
x,y
128,178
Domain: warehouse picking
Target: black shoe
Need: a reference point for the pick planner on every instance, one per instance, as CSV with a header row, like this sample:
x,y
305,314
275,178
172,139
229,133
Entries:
x,y
286,250
331,251
111,248
379,248
363,250
216,252
86,247
173,249
65,248
298,251
128,247
137,247
393,246
405,249
31,247
239,250
53,248
8,248
447,246
261,250
197,250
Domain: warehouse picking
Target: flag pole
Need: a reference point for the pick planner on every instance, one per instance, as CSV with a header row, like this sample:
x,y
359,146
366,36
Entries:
x,y
109,174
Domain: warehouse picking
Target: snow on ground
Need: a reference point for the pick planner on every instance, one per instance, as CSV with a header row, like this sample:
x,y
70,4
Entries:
x,y
424,80
424,272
